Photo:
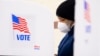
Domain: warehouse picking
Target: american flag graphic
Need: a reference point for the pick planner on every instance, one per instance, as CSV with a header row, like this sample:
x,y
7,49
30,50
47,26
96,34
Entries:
x,y
36,47
87,11
20,24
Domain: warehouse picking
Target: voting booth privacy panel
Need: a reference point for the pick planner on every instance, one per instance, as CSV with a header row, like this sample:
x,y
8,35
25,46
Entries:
x,y
87,30
26,28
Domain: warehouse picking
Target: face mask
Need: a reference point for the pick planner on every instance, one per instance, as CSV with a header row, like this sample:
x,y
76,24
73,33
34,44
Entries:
x,y
63,27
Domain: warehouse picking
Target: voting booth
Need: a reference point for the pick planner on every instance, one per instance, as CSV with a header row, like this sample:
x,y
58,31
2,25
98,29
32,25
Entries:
x,y
87,30
26,29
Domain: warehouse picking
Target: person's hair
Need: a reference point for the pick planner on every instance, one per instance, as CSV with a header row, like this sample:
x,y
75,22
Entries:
x,y
66,10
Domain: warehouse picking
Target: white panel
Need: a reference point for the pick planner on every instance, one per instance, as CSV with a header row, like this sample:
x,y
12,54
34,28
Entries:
x,y
39,22
87,33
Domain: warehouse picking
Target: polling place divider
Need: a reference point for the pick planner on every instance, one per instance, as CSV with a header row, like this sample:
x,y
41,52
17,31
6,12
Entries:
x,y
87,30
26,29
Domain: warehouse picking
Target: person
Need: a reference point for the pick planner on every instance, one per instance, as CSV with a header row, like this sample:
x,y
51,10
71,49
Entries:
x,y
65,14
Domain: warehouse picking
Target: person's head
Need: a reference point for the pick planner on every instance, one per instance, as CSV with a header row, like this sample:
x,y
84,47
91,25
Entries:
x,y
65,14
